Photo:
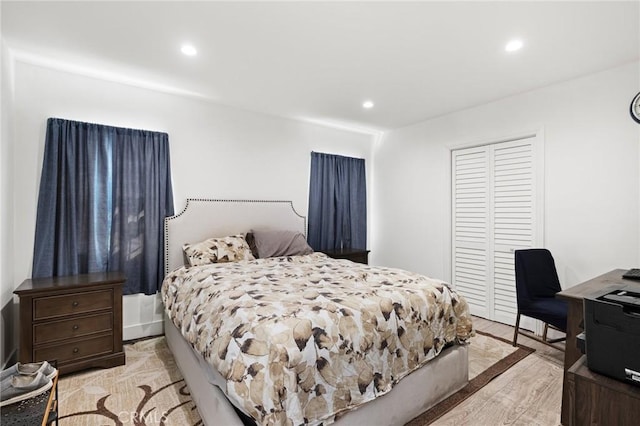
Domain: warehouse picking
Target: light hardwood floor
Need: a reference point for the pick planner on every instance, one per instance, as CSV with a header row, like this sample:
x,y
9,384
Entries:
x,y
529,393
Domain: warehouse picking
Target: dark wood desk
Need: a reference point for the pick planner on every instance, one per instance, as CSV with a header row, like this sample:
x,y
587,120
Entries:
x,y
574,296
600,400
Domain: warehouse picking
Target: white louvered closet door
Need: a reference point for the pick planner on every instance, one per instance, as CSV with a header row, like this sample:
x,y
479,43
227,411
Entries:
x,y
495,211
470,232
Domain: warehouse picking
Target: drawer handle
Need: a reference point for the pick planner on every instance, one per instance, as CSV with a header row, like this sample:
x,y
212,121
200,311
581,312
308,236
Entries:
x,y
76,326
76,350
75,303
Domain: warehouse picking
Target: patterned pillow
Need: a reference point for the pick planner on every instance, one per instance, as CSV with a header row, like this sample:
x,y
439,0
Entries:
x,y
218,250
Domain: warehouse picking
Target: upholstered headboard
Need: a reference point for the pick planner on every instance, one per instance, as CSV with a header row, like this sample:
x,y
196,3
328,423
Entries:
x,y
204,218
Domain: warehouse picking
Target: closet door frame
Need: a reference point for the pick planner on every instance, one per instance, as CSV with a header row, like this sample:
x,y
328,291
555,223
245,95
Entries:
x,y
537,142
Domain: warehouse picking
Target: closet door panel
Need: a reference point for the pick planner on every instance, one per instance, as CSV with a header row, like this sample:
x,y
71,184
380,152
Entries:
x,y
470,232
513,219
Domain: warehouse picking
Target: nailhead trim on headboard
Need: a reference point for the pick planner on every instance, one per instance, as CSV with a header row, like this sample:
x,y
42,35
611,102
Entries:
x,y
215,200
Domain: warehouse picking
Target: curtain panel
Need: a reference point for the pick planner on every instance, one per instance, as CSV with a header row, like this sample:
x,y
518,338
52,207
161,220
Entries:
x,y
104,194
337,202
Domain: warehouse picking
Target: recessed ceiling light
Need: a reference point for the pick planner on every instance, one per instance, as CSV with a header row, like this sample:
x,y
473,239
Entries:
x,y
367,104
513,45
188,50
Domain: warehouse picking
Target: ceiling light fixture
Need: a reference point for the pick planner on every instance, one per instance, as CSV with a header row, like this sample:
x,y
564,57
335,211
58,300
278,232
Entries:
x,y
188,50
513,45
367,104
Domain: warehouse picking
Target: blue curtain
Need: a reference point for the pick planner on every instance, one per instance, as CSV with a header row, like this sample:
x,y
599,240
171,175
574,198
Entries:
x,y
104,194
337,202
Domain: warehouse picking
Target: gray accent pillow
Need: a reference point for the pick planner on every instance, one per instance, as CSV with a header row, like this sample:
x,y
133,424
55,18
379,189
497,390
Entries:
x,y
280,242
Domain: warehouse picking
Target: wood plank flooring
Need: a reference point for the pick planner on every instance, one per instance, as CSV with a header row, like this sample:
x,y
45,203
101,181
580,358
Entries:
x,y
529,393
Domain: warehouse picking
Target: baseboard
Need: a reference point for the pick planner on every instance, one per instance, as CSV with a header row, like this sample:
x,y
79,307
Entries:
x,y
138,331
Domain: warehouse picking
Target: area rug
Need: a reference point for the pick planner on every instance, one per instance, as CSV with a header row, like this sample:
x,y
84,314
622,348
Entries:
x,y
149,389
489,356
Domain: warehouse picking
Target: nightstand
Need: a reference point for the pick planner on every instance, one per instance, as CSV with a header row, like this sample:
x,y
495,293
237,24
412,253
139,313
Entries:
x,y
354,255
75,320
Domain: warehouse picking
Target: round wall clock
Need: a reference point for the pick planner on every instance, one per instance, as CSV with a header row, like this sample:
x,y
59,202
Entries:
x,y
635,108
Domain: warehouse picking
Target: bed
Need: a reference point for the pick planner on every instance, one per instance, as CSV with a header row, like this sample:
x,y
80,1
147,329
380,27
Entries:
x,y
304,379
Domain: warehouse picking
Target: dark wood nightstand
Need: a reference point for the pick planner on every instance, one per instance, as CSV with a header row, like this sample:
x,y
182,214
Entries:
x,y
354,255
75,320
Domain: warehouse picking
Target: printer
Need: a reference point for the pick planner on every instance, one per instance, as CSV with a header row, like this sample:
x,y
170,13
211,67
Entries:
x,y
612,328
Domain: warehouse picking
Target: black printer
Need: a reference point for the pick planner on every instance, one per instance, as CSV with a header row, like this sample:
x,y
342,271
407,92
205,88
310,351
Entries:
x,y
612,328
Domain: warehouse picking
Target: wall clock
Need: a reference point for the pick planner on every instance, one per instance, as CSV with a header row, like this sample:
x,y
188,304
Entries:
x,y
635,108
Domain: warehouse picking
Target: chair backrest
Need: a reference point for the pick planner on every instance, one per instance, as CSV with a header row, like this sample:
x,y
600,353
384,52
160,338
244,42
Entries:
x,y
536,274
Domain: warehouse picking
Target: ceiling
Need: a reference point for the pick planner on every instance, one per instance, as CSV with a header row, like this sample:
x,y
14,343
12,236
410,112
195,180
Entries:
x,y
320,61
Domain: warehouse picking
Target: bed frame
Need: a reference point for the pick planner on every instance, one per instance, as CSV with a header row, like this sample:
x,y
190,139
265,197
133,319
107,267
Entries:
x,y
204,218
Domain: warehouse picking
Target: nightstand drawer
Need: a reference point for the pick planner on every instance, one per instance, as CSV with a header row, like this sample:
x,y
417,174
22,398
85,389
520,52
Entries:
x,y
76,327
70,304
76,350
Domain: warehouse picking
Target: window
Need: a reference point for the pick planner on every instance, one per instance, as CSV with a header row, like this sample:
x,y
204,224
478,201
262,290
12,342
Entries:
x,y
337,202
104,194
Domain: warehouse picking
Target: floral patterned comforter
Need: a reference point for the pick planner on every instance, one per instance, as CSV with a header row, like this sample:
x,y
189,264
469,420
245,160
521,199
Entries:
x,y
300,339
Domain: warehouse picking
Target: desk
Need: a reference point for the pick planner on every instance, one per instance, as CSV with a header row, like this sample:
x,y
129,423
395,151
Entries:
x,y
575,315
599,400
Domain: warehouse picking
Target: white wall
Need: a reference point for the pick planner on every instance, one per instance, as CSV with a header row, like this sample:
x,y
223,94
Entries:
x,y
216,152
7,311
592,181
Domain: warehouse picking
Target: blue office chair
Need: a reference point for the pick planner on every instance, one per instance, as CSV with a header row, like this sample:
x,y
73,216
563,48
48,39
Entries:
x,y
536,285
